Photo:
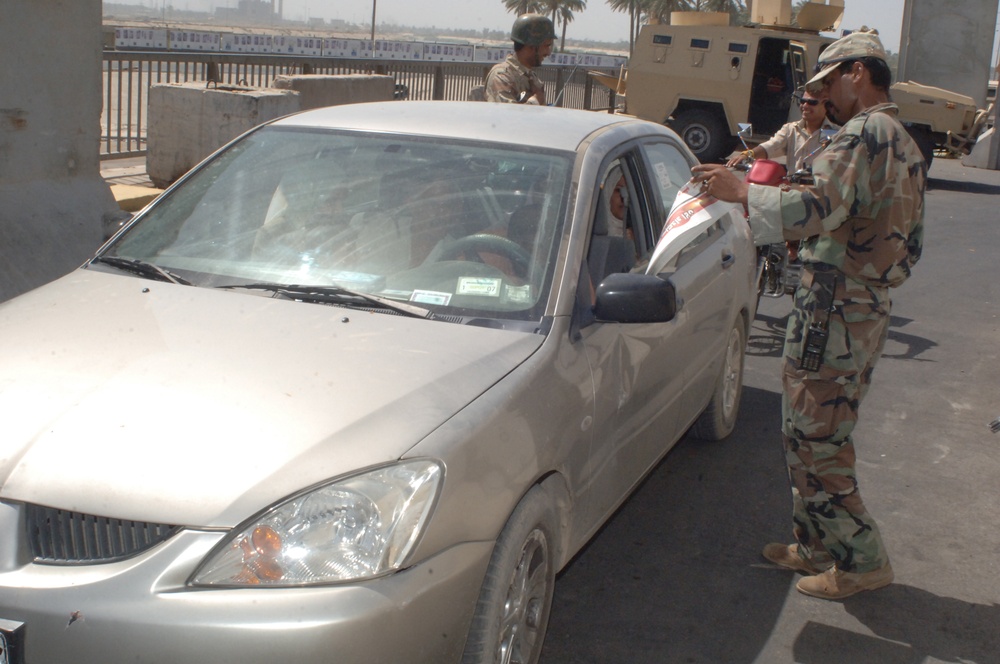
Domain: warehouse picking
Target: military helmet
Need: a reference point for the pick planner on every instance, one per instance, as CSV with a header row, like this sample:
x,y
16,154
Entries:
x,y
532,29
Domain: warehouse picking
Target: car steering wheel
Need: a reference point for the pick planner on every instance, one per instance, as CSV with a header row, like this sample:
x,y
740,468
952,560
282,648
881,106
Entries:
x,y
493,244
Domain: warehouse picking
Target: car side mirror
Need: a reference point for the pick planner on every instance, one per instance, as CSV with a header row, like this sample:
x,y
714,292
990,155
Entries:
x,y
635,298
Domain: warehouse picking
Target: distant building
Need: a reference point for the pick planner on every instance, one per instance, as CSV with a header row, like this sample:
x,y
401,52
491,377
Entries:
x,y
258,11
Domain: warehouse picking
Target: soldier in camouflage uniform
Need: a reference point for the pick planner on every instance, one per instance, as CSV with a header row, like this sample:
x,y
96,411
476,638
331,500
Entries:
x,y
514,81
861,224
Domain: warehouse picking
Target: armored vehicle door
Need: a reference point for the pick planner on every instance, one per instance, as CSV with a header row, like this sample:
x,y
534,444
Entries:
x,y
800,69
773,84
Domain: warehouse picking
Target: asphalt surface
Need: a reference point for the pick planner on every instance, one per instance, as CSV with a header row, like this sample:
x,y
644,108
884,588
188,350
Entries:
x,y
677,576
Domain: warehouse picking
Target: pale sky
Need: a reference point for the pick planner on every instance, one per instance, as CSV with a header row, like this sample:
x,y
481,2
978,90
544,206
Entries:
x,y
597,21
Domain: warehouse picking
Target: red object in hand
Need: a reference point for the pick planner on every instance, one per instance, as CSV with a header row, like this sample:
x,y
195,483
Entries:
x,y
766,171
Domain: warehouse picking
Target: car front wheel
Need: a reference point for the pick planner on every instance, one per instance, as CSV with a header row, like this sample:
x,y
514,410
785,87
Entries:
x,y
512,613
719,418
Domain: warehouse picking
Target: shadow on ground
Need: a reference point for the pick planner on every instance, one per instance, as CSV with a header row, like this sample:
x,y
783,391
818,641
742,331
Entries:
x,y
676,575
910,626
962,186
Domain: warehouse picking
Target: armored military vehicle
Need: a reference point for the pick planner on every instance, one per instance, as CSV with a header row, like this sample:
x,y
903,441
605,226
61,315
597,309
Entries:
x,y
703,77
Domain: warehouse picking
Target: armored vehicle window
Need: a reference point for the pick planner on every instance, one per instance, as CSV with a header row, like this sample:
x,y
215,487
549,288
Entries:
x,y
738,48
702,44
663,40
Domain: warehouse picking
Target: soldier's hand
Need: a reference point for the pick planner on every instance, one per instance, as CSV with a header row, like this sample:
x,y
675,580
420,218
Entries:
x,y
720,182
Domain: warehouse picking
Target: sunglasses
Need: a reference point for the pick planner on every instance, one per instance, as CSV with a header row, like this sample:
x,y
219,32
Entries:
x,y
808,102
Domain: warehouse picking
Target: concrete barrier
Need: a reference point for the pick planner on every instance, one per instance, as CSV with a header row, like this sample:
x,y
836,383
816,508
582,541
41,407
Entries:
x,y
187,122
317,91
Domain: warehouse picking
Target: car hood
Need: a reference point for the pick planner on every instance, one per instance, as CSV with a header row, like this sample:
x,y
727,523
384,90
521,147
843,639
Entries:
x,y
172,404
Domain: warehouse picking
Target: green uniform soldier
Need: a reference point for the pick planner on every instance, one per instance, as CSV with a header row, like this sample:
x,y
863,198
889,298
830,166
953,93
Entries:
x,y
861,226
514,80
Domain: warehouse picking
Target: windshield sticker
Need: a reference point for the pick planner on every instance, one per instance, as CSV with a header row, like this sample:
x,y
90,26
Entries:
x,y
662,174
518,294
395,294
430,297
483,286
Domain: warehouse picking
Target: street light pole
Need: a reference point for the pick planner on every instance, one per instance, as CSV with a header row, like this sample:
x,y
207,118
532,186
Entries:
x,y
374,2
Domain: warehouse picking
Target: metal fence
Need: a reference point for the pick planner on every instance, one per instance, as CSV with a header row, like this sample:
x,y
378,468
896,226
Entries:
x,y
127,77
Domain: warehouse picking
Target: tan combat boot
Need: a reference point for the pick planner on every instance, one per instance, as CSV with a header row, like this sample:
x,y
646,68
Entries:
x,y
787,555
836,584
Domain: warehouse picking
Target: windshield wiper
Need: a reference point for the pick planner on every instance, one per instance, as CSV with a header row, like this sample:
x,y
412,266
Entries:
x,y
142,268
334,295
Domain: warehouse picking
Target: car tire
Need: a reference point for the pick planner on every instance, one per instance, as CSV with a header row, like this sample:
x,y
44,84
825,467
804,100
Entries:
x,y
705,132
512,612
719,418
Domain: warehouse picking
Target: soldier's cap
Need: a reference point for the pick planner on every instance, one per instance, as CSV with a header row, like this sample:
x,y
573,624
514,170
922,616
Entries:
x,y
861,44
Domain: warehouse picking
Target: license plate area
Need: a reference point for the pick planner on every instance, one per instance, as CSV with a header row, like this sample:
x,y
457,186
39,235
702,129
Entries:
x,y
11,642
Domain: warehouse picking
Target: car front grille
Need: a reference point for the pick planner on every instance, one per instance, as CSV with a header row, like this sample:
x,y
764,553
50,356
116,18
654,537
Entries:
x,y
69,538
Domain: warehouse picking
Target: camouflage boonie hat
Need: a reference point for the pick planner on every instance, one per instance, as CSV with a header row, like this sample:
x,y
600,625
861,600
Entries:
x,y
532,30
861,44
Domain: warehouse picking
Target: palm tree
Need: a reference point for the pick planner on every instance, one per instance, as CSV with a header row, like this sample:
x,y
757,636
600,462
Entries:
x,y
518,7
630,6
641,11
737,9
561,12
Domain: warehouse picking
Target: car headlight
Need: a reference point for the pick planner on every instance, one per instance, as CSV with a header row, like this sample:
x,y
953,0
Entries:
x,y
351,529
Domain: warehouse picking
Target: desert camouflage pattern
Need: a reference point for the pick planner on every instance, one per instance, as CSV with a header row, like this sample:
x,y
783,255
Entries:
x,y
819,411
863,220
508,79
864,214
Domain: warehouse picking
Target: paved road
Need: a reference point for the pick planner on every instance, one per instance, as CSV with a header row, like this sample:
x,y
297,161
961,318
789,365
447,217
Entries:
x,y
677,576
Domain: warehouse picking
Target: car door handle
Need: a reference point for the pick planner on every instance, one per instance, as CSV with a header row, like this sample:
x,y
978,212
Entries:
x,y
728,260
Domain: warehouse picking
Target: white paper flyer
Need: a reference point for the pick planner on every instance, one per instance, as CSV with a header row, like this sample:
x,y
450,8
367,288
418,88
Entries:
x,y
693,211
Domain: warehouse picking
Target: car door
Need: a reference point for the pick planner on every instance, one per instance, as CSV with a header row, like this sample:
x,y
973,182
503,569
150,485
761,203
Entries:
x,y
703,276
638,373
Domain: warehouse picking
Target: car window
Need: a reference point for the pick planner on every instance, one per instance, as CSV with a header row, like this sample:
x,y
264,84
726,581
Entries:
x,y
467,229
670,170
618,229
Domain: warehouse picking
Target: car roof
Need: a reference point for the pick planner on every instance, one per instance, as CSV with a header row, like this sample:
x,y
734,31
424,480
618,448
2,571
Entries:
x,y
543,127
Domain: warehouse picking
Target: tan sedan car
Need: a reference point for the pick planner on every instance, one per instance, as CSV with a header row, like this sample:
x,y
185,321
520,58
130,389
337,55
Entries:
x,y
357,388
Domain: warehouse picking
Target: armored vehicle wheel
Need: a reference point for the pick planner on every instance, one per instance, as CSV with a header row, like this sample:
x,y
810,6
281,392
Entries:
x,y
705,132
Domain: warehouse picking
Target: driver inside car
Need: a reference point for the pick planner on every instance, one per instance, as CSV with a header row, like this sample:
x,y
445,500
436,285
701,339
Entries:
x,y
392,238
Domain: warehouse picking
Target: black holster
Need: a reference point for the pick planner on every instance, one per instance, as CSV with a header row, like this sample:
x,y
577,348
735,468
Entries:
x,y
823,286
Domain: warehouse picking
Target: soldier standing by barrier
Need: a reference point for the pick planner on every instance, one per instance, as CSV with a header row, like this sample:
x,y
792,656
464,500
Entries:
x,y
513,80
862,227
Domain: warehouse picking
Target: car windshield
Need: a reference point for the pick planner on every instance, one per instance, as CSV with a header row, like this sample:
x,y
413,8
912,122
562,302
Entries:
x,y
459,229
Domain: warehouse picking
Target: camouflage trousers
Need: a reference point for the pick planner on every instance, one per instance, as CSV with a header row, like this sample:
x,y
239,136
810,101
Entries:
x,y
819,411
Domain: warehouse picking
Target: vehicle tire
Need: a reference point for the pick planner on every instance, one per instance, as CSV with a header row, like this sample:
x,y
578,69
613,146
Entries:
x,y
924,141
514,603
705,132
719,418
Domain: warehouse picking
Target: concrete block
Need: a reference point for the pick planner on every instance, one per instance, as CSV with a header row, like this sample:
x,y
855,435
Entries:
x,y
187,122
317,91
132,198
979,157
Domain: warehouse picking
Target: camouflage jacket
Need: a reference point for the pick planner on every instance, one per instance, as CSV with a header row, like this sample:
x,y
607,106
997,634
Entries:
x,y
864,214
508,79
